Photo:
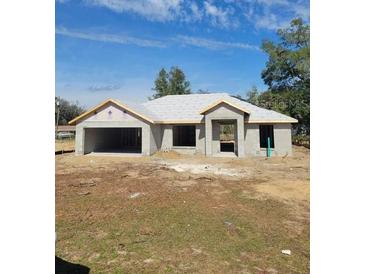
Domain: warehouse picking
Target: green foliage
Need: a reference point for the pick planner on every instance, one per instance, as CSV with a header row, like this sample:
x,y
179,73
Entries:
x,y
253,96
67,111
301,140
172,83
287,74
288,64
162,84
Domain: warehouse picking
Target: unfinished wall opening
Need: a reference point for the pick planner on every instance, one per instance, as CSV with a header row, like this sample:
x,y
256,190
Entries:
x,y
183,136
266,132
113,140
227,136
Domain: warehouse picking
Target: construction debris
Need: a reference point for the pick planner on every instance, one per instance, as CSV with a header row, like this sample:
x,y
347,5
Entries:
x,y
135,195
286,251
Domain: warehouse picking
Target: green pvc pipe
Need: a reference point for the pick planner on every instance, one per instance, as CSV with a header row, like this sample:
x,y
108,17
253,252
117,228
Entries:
x,y
268,147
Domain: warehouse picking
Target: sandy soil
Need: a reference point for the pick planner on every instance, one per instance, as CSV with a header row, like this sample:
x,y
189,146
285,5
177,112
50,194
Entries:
x,y
181,213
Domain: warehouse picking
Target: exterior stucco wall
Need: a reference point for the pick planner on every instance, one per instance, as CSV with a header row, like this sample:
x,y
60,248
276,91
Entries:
x,y
252,140
223,112
282,139
166,134
200,138
215,137
155,141
118,119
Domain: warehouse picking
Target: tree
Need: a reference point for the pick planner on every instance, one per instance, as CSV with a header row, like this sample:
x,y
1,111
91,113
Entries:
x,y
68,111
161,84
177,82
287,74
171,83
253,96
288,64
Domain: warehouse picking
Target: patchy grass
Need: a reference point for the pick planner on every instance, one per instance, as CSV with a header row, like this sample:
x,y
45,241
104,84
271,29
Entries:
x,y
216,225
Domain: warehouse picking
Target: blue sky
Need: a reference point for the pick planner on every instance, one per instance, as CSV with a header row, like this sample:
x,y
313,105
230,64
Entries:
x,y
115,48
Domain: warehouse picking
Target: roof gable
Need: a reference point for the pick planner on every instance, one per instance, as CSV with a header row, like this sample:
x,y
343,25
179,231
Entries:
x,y
222,101
106,102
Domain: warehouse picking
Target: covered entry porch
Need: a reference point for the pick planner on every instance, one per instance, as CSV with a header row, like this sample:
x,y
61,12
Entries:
x,y
216,118
223,138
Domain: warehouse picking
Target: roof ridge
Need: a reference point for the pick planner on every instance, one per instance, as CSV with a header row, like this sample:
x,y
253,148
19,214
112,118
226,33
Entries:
x,y
204,94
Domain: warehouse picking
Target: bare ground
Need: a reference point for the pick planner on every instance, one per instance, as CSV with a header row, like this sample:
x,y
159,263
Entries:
x,y
183,214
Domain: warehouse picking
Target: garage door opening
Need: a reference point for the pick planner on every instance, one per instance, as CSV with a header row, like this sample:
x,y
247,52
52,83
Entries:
x,y
113,140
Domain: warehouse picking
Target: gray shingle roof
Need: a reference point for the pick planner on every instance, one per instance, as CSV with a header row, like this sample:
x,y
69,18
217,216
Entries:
x,y
141,109
188,108
182,108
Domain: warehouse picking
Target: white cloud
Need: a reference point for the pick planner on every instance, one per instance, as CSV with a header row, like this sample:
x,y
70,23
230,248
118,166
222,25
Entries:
x,y
168,42
212,44
262,14
270,21
301,10
120,39
169,10
274,14
196,13
273,2
155,10
219,17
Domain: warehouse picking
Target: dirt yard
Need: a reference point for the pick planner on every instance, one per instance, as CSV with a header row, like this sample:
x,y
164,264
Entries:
x,y
183,214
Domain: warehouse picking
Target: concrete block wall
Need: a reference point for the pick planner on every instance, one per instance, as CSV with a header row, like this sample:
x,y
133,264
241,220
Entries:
x,y
282,139
252,140
215,137
166,137
200,138
155,138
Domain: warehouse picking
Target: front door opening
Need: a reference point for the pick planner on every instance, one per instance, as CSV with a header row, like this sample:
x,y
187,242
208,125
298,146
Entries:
x,y
227,137
113,140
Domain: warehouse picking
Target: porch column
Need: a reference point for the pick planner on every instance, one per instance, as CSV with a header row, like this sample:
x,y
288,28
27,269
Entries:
x,y
208,136
240,137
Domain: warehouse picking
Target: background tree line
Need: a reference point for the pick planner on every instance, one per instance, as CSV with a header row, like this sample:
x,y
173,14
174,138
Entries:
x,y
287,75
67,111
